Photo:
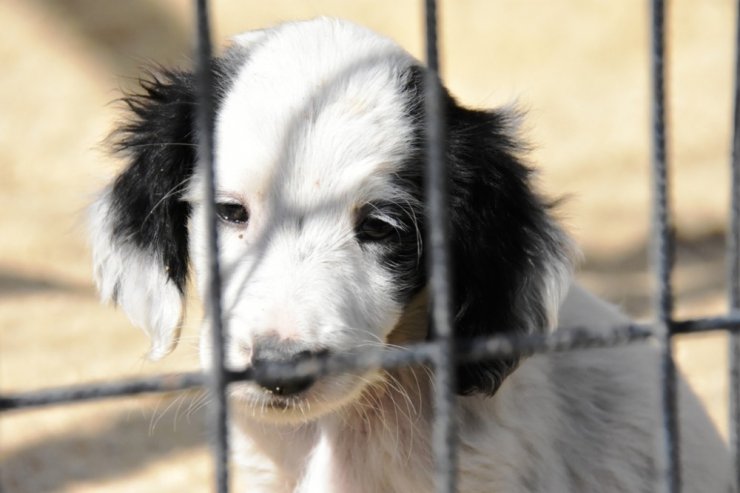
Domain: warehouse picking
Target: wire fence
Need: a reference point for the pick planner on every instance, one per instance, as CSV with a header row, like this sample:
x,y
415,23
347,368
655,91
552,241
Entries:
x,y
443,352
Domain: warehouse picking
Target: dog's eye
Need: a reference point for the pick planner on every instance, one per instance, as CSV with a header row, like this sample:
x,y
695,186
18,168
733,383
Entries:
x,y
374,229
232,213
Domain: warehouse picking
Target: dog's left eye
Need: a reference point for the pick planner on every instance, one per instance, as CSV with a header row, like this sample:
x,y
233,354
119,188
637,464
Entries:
x,y
374,229
232,213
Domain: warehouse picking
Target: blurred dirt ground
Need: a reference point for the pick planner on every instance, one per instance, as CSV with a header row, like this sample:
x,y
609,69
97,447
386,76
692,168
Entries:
x,y
579,68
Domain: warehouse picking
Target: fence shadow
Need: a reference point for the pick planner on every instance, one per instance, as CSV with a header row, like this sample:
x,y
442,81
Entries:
x,y
700,274
121,446
124,35
13,283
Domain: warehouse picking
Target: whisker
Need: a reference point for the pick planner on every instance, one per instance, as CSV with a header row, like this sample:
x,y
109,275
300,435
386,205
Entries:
x,y
176,189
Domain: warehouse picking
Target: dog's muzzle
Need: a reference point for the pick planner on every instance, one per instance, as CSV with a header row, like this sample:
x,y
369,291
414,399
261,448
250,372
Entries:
x,y
274,351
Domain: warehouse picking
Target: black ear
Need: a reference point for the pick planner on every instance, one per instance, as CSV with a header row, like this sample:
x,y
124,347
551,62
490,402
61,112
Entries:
x,y
139,224
512,263
160,146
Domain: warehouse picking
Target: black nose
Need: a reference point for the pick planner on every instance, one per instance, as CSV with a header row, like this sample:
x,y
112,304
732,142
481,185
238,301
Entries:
x,y
272,350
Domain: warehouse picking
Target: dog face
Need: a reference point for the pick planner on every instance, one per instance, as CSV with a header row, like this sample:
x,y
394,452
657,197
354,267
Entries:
x,y
319,142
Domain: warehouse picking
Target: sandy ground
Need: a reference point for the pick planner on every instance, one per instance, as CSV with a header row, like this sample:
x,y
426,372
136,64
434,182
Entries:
x,y
578,68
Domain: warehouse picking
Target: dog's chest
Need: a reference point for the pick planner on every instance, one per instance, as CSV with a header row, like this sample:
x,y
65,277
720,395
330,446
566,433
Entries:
x,y
380,444
368,460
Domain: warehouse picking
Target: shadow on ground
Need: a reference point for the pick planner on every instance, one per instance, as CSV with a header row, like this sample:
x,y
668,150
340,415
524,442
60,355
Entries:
x,y
124,35
13,283
627,280
125,444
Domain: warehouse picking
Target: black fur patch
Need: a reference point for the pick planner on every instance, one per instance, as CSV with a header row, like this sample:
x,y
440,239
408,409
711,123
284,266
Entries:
x,y
159,143
500,234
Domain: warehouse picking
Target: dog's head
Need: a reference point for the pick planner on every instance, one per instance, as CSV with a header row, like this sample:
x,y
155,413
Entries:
x,y
319,146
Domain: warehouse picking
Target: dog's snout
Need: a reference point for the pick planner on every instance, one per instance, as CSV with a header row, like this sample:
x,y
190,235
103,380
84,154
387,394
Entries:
x,y
272,350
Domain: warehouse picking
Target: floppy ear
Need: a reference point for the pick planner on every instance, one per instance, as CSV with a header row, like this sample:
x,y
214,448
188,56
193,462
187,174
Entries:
x,y
139,224
512,263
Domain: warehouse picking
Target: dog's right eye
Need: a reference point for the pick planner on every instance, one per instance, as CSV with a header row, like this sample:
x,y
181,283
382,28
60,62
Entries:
x,y
232,213
375,223
374,229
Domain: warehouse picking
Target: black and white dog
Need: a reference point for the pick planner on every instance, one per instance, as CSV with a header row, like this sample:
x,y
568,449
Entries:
x,y
318,151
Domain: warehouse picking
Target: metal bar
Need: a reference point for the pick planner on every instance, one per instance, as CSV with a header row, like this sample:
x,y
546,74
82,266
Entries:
x,y
205,120
83,393
443,432
499,346
662,247
733,259
729,323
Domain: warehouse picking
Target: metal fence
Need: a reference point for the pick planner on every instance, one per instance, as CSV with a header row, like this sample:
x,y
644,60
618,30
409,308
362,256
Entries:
x,y
442,353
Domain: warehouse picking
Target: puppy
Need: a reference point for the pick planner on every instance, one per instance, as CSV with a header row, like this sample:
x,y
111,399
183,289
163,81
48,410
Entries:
x,y
319,138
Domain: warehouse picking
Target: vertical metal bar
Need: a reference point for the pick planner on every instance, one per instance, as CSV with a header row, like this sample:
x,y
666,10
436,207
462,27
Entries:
x,y
444,436
205,119
662,248
733,256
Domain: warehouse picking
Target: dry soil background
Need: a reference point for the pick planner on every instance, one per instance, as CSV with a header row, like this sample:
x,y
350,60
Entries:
x,y
578,67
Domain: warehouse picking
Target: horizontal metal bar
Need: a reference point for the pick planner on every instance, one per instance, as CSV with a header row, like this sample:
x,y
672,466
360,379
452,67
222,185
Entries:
x,y
88,392
466,351
499,346
423,353
690,326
